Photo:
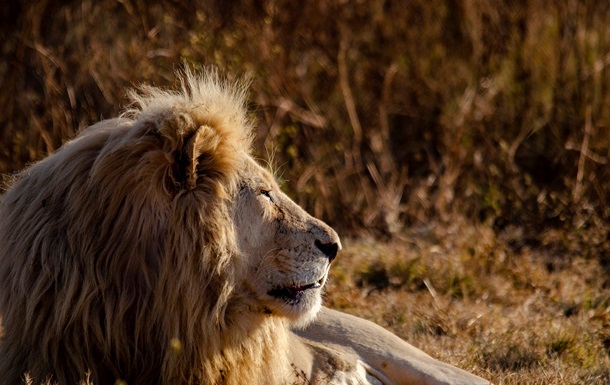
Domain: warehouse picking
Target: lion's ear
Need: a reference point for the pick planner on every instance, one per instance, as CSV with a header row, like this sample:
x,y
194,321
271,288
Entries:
x,y
204,152
208,160
193,150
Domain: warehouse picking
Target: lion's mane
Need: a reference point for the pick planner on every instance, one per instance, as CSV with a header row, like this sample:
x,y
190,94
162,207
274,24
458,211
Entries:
x,y
118,254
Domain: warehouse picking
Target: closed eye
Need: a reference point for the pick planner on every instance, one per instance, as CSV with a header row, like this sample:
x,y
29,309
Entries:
x,y
266,193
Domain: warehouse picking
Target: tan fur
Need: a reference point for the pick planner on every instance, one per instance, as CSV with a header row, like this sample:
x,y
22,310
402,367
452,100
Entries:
x,y
121,253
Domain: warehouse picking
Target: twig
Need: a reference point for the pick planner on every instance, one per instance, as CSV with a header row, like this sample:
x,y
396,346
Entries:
x,y
349,100
577,191
432,291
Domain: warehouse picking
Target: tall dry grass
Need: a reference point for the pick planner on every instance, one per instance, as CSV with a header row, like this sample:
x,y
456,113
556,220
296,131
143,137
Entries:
x,y
382,115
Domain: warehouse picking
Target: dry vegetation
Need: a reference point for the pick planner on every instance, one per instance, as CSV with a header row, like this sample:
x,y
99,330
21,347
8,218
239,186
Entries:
x,y
467,297
472,138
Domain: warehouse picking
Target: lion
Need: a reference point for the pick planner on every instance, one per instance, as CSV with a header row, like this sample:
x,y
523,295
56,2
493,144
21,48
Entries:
x,y
153,249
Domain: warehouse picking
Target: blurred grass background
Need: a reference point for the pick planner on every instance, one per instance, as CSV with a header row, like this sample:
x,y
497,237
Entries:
x,y
386,118
383,115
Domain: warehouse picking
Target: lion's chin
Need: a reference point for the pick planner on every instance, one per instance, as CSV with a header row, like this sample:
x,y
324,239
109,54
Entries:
x,y
303,313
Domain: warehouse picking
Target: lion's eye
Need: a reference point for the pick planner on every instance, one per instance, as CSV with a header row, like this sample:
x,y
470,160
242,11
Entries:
x,y
266,194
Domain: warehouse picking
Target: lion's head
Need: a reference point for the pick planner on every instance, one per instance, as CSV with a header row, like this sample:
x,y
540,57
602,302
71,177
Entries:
x,y
289,251
153,248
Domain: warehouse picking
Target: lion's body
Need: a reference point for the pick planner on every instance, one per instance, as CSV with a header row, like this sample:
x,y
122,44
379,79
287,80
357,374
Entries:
x,y
152,249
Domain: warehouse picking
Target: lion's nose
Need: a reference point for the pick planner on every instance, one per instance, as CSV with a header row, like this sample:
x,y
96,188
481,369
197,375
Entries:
x,y
329,249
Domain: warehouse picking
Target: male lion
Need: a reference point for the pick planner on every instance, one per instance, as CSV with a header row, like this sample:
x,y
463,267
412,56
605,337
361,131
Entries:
x,y
153,249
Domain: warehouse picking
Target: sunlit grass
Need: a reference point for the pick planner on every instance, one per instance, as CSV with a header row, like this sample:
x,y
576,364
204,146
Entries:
x,y
468,298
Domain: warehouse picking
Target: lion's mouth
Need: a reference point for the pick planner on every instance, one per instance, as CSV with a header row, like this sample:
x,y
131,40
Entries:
x,y
294,293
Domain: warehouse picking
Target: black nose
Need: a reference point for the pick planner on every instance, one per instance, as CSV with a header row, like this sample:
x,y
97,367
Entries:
x,y
329,249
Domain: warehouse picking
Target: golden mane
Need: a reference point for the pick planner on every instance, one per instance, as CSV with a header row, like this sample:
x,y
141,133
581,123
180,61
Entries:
x,y
118,254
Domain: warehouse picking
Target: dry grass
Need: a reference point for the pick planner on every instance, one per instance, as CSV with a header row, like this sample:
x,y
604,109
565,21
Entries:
x,y
465,296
